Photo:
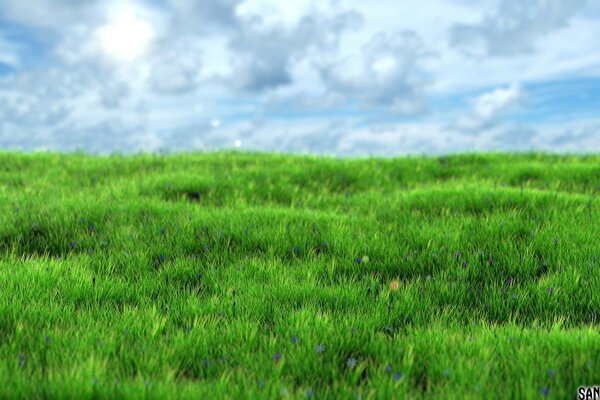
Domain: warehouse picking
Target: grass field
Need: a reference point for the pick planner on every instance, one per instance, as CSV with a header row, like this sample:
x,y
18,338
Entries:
x,y
232,275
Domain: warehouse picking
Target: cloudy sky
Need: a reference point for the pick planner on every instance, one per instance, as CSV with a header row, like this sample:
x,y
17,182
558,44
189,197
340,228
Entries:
x,y
346,77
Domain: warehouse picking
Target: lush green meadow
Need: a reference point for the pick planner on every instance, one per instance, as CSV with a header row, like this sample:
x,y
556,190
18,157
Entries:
x,y
232,275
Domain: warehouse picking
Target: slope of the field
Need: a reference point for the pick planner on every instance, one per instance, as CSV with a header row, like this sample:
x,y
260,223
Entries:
x,y
233,275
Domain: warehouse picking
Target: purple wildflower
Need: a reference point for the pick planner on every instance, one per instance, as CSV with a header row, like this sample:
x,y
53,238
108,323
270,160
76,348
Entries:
x,y
320,349
545,391
509,281
277,356
397,376
351,362
295,339
551,373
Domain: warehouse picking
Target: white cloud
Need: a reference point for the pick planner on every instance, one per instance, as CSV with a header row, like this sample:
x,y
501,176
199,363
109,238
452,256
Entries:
x,y
385,73
515,26
9,52
489,107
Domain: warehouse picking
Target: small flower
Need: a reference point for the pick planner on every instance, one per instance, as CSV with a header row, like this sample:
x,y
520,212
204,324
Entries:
x,y
447,372
394,285
551,373
163,258
320,349
73,245
206,362
22,360
550,290
388,368
309,394
200,276
465,264
545,391
277,356
260,383
351,362
397,376
457,255
556,242
295,339
162,231
509,281
358,260
297,250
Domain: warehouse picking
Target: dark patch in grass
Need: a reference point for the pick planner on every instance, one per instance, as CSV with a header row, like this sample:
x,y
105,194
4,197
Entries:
x,y
35,242
7,327
422,381
266,325
192,196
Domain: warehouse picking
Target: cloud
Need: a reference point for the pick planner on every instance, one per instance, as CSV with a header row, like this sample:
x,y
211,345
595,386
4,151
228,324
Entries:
x,y
490,106
515,27
387,73
264,56
48,14
177,68
206,15
9,52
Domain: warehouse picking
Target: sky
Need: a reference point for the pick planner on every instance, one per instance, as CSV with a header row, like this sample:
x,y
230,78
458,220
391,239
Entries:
x,y
335,77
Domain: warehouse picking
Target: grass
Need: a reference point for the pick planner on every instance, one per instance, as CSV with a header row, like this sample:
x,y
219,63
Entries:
x,y
232,275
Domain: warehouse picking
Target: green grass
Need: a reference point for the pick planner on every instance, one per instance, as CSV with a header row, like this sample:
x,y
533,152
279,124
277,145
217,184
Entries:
x,y
183,276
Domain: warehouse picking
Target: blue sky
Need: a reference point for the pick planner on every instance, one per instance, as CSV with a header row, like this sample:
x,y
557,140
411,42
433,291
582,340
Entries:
x,y
344,77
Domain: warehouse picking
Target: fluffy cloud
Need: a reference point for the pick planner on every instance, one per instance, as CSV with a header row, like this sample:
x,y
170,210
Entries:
x,y
387,73
489,107
264,57
515,26
9,52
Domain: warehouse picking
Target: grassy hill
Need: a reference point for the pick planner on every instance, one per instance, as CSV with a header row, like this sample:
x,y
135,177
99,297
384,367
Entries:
x,y
231,275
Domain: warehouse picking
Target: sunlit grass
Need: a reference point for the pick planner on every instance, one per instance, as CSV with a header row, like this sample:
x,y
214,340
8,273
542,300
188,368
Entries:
x,y
235,275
